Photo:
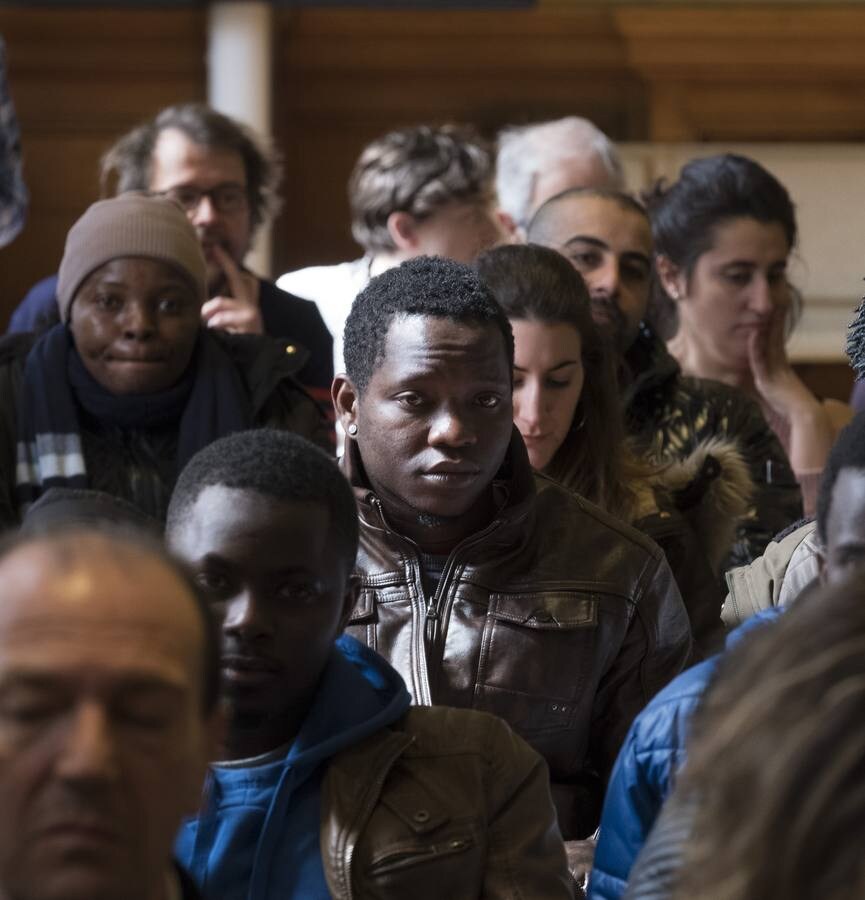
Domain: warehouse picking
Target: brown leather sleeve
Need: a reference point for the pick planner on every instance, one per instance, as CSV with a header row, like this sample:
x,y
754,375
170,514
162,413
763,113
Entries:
x,y
657,646
526,854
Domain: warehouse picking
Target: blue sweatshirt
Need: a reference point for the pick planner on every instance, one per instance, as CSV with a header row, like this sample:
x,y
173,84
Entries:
x,y
257,836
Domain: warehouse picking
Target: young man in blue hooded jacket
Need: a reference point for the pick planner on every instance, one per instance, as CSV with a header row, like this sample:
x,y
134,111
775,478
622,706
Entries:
x,y
328,784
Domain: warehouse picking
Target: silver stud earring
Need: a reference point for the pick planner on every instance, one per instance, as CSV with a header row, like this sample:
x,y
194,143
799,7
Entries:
x,y
352,429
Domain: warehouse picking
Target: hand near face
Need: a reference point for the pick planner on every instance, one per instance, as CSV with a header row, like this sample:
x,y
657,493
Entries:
x,y
812,431
774,378
239,312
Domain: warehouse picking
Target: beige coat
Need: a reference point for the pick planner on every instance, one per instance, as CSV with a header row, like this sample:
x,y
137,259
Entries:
x,y
775,578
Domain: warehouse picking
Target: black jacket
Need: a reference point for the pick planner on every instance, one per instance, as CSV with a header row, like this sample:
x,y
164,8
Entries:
x,y
671,414
284,316
139,464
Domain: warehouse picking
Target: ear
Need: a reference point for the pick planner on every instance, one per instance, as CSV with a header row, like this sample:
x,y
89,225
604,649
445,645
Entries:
x,y
402,228
672,278
352,592
344,397
512,233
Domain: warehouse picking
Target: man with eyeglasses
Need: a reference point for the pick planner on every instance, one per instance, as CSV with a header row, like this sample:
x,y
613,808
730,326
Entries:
x,y
225,179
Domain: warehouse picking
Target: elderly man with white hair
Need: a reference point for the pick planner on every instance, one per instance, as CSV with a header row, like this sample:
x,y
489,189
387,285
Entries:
x,y
536,162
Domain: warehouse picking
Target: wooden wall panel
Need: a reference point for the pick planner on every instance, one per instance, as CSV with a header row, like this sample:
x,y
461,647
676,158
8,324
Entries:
x,y
749,73
345,77
80,79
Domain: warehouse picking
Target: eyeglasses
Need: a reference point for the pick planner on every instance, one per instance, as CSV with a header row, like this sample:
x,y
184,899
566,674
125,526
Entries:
x,y
226,198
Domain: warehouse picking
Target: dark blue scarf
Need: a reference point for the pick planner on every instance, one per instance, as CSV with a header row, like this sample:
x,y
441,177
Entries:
x,y
210,401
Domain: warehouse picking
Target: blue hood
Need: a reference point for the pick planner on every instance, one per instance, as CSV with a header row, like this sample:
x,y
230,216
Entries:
x,y
257,836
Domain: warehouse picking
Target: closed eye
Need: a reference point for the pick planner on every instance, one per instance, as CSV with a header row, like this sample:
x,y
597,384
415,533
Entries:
x,y
212,582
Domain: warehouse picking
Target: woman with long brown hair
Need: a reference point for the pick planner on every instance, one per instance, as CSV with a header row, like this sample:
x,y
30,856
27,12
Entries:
x,y
567,408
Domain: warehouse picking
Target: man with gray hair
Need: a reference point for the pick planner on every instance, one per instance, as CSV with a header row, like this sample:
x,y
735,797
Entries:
x,y
536,162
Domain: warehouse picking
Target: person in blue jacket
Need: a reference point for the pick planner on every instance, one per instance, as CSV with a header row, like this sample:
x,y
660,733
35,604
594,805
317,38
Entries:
x,y
655,747
654,750
328,785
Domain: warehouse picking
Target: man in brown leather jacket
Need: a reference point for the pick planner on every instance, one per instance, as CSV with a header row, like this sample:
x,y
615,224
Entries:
x,y
330,785
485,585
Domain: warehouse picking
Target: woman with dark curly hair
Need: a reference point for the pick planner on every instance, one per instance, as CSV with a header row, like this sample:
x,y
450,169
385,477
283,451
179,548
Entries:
x,y
723,235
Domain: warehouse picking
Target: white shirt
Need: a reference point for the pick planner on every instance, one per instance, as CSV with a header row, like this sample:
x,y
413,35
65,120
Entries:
x,y
333,289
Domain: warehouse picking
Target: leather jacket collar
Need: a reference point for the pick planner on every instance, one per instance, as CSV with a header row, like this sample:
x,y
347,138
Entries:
x,y
513,485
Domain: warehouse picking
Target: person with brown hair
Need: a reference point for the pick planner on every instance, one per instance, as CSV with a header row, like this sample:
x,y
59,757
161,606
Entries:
x,y
225,178
423,190
567,409
656,746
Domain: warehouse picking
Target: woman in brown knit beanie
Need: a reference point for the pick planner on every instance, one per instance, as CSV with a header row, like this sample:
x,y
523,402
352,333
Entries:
x,y
129,385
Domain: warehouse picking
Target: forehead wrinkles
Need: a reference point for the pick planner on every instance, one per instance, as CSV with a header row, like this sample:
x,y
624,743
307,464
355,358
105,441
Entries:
x,y
94,585
28,631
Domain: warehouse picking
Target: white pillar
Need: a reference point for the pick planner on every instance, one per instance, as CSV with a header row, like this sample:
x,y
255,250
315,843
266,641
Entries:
x,y
239,79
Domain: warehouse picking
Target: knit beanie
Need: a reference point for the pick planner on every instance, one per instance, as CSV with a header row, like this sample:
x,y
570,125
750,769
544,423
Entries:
x,y
133,224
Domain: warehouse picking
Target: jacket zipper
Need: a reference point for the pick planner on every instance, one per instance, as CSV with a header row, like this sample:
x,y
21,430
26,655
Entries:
x,y
419,663
434,605
409,857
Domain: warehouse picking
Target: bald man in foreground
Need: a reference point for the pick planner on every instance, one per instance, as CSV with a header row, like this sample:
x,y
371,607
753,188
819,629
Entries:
x,y
108,689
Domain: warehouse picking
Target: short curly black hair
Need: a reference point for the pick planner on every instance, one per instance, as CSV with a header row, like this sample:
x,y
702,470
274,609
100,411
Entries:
x,y
423,286
848,453
280,465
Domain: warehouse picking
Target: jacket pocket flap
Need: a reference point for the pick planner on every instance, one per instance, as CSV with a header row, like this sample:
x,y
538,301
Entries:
x,y
546,610
415,809
364,608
